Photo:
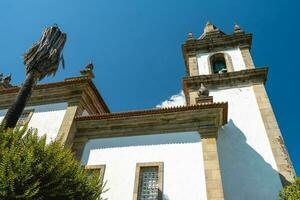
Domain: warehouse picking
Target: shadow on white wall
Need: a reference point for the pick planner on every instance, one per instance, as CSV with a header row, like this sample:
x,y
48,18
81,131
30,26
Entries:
x,y
142,140
245,174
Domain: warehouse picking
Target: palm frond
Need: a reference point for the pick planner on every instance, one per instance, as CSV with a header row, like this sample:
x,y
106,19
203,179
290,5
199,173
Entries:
x,y
44,56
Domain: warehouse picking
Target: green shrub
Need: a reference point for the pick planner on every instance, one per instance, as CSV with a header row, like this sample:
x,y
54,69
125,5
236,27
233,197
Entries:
x,y
32,169
291,192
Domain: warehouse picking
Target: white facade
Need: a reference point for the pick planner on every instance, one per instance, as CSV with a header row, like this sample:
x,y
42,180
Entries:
x,y
46,118
236,58
247,163
181,154
248,167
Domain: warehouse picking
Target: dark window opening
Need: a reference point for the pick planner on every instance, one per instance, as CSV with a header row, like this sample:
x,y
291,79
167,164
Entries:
x,y
218,63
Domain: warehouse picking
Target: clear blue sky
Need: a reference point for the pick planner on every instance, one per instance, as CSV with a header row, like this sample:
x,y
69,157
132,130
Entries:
x,y
136,46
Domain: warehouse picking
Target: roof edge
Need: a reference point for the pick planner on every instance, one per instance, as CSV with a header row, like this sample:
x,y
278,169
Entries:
x,y
65,82
223,105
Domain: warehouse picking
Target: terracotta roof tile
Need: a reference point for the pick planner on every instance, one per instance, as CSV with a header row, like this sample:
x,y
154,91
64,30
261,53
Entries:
x,y
157,111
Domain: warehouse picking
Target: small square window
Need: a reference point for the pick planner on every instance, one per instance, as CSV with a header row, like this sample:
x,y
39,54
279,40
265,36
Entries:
x,y
96,169
25,117
148,181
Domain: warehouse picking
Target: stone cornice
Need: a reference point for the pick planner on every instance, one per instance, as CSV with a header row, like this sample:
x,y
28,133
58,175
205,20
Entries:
x,y
223,41
225,80
156,111
156,121
77,90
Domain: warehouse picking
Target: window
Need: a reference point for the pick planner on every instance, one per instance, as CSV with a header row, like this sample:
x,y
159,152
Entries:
x,y
218,63
96,169
148,181
25,117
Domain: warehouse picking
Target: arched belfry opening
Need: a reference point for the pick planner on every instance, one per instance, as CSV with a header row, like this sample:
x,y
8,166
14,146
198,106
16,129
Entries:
x,y
218,63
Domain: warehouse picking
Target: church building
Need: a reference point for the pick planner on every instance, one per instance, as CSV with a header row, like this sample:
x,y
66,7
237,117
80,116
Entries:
x,y
225,142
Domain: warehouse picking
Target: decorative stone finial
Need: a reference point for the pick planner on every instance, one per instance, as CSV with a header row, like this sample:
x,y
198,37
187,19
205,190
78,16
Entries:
x,y
203,95
203,91
5,81
209,27
88,71
190,36
237,28
211,30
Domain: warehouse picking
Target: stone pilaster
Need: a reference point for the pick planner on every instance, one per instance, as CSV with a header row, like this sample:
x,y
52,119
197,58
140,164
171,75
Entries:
x,y
193,65
282,159
214,187
67,129
247,58
78,146
193,96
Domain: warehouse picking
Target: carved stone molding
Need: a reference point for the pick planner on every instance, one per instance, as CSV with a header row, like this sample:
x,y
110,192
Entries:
x,y
208,132
224,80
201,100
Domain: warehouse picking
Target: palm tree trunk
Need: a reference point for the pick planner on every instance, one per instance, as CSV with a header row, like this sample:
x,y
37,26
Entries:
x,y
14,112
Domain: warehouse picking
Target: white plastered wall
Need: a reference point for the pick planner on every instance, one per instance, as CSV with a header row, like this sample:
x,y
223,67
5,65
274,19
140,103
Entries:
x,y
46,118
181,154
236,58
248,166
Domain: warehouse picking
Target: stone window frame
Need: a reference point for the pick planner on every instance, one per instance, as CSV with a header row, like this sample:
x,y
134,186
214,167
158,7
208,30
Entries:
x,y
29,116
101,168
227,58
160,166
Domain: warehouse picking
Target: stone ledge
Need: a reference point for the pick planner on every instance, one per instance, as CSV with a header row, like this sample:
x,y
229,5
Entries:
x,y
158,111
225,80
209,43
207,120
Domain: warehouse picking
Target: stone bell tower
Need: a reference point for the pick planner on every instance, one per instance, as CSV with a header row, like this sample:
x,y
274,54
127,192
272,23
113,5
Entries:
x,y
254,161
